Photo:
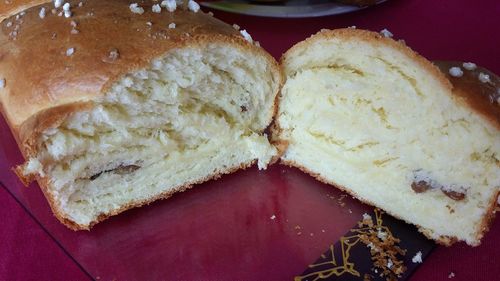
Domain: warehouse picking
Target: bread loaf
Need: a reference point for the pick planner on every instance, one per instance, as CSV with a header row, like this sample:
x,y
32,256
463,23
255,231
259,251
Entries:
x,y
115,105
367,114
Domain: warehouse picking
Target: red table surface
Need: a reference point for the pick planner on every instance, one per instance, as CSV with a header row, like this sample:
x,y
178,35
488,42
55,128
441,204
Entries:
x,y
222,230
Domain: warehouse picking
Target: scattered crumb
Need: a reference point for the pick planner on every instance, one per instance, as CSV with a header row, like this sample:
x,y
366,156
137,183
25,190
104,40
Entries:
x,y
451,275
246,35
389,263
149,23
136,9
171,25
456,71
352,27
257,43
469,65
367,216
171,5
70,52
386,33
485,78
297,227
156,8
323,231
350,211
299,233
417,258
273,217
311,234
80,4
382,235
42,12
384,249
2,83
340,200
193,6
371,246
8,24
211,14
235,26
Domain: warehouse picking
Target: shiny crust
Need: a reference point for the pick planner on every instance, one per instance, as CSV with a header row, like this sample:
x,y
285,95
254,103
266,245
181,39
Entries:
x,y
47,82
458,88
479,96
44,86
12,7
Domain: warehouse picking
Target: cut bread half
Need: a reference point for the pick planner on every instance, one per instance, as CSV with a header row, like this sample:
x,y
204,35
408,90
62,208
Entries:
x,y
367,114
123,112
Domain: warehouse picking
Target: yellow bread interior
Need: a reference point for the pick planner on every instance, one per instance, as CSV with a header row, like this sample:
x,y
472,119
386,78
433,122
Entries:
x,y
191,115
364,113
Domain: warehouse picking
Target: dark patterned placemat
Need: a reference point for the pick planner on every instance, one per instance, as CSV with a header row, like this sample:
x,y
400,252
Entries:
x,y
379,247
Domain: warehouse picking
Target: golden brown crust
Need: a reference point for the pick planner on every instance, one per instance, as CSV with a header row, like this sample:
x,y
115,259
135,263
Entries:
x,y
373,38
45,187
485,224
34,126
47,79
12,7
442,240
44,84
482,97
472,93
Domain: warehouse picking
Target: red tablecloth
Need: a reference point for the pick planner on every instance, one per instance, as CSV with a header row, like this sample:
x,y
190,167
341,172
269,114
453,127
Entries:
x,y
445,30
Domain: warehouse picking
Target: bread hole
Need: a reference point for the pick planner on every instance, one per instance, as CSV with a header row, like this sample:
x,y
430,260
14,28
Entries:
x,y
123,170
455,195
120,170
384,162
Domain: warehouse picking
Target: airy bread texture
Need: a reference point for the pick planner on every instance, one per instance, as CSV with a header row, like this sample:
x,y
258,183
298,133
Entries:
x,y
168,108
370,116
